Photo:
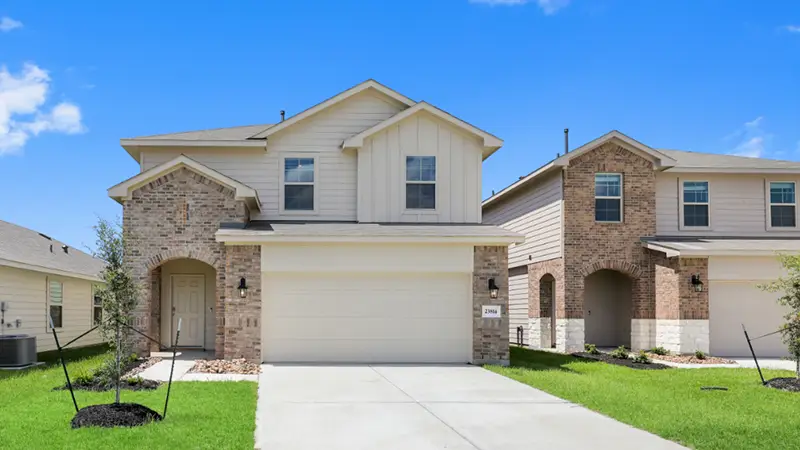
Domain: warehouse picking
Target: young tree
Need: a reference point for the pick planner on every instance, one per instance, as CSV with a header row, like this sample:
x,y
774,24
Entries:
x,y
119,296
789,287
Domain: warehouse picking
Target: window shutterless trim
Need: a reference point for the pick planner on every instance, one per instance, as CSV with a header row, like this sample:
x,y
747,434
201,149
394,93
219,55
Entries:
x,y
49,303
769,204
282,184
435,184
608,197
681,204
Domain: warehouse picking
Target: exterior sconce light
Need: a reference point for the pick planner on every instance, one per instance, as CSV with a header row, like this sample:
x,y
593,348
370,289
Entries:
x,y
696,283
242,288
493,289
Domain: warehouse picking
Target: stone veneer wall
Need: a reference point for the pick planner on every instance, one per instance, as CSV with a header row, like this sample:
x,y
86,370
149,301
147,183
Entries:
x,y
490,336
682,314
540,309
173,217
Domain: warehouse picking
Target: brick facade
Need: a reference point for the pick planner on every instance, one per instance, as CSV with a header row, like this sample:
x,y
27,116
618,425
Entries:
x,y
175,217
676,298
243,315
490,343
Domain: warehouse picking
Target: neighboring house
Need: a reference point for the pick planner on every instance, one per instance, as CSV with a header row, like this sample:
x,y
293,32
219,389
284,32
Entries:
x,y
353,227
41,277
629,245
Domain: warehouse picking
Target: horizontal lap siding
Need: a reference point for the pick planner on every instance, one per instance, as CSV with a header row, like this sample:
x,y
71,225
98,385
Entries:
x,y
536,212
320,135
518,306
26,292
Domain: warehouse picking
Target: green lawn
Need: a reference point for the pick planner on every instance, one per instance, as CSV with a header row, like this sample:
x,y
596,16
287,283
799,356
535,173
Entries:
x,y
201,414
669,402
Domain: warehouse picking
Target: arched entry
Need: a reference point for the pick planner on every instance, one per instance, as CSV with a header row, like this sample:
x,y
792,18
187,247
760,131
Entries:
x,y
607,307
547,309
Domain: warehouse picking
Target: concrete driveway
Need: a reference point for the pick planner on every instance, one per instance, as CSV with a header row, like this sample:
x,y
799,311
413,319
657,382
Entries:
x,y
425,407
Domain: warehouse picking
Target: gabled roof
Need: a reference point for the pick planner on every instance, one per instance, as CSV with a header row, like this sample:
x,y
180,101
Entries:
x,y
369,84
123,191
27,249
490,142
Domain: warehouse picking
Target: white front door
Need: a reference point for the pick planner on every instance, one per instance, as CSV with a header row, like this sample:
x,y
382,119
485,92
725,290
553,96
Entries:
x,y
188,300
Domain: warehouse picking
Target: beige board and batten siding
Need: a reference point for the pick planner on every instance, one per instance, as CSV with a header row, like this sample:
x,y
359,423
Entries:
x,y
536,212
518,303
737,207
26,292
320,136
381,172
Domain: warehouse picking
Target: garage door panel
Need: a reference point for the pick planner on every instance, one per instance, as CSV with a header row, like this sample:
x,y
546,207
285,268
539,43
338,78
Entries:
x,y
365,328
733,303
383,350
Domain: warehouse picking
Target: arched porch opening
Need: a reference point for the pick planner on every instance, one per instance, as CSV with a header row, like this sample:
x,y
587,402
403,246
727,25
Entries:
x,y
607,308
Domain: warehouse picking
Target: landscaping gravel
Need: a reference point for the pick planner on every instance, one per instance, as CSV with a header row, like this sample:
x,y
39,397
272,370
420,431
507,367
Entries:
x,y
620,362
690,359
114,415
238,366
785,384
144,363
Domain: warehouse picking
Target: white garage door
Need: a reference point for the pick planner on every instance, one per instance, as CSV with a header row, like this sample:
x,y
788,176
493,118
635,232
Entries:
x,y
735,303
367,317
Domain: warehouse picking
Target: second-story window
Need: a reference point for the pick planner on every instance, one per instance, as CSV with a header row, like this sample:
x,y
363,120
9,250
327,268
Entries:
x,y
695,204
420,182
608,197
782,204
298,184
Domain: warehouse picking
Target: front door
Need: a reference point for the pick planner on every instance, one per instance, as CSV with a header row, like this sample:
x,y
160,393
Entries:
x,y
188,305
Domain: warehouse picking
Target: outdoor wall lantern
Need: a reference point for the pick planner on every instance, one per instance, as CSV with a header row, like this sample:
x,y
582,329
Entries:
x,y
242,288
493,289
696,283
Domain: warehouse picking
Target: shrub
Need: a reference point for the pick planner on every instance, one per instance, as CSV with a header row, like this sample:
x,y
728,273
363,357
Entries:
x,y
133,381
699,354
620,353
661,351
641,358
83,378
591,349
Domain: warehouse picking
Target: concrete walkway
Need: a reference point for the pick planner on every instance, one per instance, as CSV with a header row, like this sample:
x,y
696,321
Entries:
x,y
160,372
425,407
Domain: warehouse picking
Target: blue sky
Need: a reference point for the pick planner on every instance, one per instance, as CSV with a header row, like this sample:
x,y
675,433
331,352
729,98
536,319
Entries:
x,y
78,76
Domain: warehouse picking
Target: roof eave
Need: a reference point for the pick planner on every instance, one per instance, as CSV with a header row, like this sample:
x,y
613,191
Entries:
x,y
251,237
42,269
748,170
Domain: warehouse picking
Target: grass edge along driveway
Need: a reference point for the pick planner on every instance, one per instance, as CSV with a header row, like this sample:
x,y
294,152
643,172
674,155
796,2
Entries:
x,y
669,402
201,414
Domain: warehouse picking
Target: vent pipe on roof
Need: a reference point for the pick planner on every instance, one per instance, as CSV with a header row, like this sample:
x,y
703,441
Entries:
x,y
65,248
283,115
566,140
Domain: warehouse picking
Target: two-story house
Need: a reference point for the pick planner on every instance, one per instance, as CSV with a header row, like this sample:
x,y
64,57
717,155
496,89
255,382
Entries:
x,y
642,247
349,232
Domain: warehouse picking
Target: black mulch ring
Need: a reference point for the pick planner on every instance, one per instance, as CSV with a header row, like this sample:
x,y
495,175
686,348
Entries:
x,y
785,384
621,362
114,415
98,386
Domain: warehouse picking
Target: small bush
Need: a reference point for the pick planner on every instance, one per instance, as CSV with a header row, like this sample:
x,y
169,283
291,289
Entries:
x,y
661,351
133,381
699,355
83,378
620,353
591,349
641,358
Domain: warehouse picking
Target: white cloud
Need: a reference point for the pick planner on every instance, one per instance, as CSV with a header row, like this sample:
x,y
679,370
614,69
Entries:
x,y
548,6
752,139
7,24
792,28
22,97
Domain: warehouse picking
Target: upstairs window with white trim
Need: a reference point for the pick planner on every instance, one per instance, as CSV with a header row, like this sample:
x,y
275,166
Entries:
x,y
608,197
97,306
420,182
695,204
782,204
298,184
55,297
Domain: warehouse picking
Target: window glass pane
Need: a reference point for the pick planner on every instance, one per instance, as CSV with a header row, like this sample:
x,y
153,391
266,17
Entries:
x,y
55,313
695,215
781,192
695,192
782,216
298,170
97,300
420,168
56,292
420,196
607,185
607,210
298,197
98,315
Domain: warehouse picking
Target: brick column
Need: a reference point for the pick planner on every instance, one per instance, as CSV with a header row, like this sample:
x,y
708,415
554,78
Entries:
x,y
682,314
490,336
242,315
543,300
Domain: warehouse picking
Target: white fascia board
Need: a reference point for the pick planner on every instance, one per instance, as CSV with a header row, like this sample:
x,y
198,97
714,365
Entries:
x,y
239,237
663,160
670,252
190,143
47,270
746,170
